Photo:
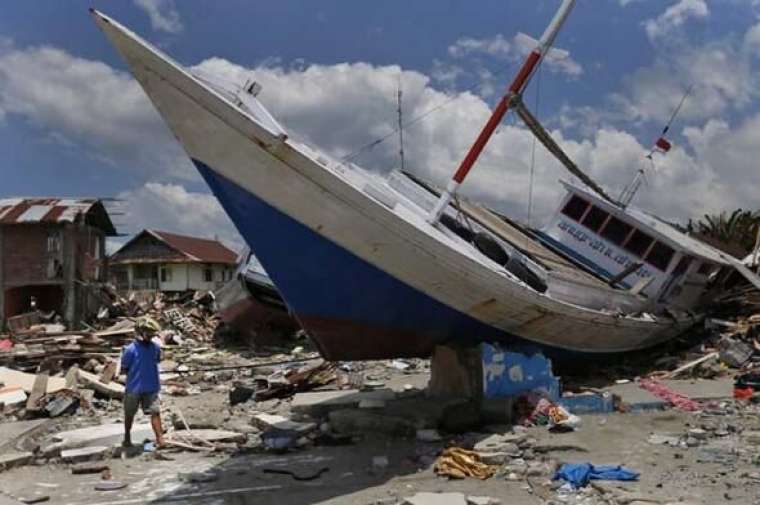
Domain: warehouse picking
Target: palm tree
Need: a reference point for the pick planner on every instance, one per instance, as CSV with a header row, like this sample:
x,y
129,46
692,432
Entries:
x,y
739,228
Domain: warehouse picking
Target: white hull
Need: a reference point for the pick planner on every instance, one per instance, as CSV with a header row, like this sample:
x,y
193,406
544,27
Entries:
x,y
326,198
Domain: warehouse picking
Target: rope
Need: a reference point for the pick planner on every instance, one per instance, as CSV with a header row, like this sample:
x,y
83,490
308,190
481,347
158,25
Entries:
x,y
543,136
366,147
533,149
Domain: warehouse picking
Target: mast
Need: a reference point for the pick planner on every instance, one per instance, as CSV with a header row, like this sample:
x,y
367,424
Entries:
x,y
515,89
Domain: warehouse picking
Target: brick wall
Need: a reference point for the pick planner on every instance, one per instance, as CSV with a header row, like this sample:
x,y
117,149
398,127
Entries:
x,y
24,254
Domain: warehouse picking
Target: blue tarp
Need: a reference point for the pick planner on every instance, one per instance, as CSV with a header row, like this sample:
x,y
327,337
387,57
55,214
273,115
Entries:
x,y
579,474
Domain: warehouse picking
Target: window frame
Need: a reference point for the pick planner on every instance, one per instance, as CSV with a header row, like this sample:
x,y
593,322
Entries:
x,y
606,226
602,222
643,251
573,199
653,248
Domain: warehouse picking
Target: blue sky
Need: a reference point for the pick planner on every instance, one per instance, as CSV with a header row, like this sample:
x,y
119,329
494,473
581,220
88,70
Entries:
x,y
73,122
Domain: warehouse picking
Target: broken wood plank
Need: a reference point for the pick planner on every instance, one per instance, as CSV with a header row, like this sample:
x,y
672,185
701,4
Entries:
x,y
38,391
26,380
690,365
92,381
109,372
71,377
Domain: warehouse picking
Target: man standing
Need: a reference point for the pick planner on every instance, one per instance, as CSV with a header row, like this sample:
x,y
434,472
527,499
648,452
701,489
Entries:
x,y
140,361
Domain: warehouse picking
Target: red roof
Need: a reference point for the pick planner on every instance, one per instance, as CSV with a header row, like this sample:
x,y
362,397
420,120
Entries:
x,y
55,210
197,249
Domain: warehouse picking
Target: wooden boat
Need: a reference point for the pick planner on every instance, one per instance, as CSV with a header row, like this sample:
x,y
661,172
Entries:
x,y
379,267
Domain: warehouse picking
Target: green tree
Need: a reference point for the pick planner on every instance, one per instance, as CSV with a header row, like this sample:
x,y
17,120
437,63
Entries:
x,y
739,227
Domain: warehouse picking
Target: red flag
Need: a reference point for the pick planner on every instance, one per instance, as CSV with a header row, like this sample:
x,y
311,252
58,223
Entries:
x,y
663,144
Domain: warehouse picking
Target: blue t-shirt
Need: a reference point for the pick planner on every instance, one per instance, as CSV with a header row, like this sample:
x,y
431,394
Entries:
x,y
140,360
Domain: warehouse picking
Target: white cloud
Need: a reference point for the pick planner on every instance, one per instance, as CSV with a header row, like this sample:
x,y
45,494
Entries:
x,y
674,17
495,46
513,51
344,106
89,104
163,15
171,207
357,101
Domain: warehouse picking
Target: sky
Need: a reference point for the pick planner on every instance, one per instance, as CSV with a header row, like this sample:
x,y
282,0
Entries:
x,y
73,122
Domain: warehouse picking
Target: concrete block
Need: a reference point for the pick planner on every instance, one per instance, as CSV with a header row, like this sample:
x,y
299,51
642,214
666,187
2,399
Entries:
x,y
510,374
436,499
14,459
364,422
320,403
268,421
97,452
456,372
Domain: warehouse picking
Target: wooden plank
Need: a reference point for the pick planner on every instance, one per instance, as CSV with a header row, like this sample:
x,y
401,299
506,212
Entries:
x,y
92,381
109,372
25,381
71,377
38,391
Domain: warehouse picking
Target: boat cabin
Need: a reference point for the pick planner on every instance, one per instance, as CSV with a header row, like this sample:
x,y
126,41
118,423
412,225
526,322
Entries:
x,y
634,250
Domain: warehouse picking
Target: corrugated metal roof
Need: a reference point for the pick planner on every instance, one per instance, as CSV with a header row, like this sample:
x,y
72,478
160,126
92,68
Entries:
x,y
49,210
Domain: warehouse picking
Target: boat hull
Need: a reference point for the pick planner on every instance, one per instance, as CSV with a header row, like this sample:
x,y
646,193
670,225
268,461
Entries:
x,y
365,279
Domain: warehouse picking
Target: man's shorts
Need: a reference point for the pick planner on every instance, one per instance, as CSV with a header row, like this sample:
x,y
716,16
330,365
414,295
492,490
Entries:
x,y
149,402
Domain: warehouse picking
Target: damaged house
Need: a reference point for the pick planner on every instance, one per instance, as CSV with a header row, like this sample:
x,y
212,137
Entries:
x,y
163,261
52,250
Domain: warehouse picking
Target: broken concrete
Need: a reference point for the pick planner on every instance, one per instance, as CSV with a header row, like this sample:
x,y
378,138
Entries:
x,y
109,435
92,381
363,422
320,403
14,459
210,436
268,421
25,381
10,433
96,452
436,499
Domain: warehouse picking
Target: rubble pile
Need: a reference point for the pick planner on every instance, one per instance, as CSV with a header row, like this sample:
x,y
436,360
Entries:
x,y
49,348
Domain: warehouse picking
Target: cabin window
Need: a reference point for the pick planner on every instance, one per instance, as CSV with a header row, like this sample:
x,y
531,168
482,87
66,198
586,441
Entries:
x,y
616,231
638,243
595,219
208,274
660,256
575,207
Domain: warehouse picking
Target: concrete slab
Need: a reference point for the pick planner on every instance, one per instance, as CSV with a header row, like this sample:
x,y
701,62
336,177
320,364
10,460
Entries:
x,y
436,499
13,395
109,435
697,389
322,402
268,421
10,432
11,378
7,500
220,436
85,454
14,459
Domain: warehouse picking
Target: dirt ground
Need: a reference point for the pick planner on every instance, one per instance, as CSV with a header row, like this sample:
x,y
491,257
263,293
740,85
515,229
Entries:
x,y
723,468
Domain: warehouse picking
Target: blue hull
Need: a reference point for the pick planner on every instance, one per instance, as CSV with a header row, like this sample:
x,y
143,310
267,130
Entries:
x,y
352,309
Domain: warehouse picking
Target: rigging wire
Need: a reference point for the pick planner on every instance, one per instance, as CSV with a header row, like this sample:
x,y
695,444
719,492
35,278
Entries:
x,y
533,148
400,126
370,145
673,116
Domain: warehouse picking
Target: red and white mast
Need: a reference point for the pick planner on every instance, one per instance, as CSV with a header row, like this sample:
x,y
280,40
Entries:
x,y
516,88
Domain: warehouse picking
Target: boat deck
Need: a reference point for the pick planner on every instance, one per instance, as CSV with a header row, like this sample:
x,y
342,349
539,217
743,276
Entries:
x,y
528,245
